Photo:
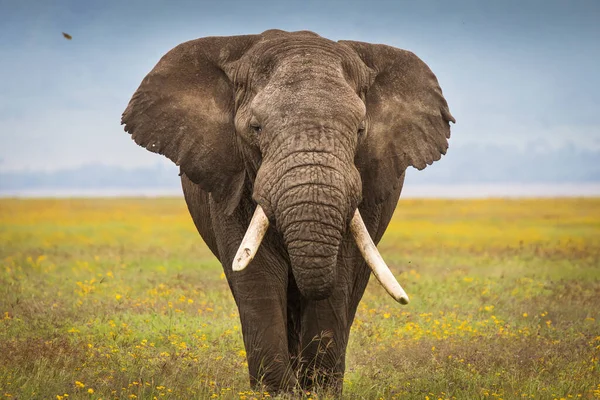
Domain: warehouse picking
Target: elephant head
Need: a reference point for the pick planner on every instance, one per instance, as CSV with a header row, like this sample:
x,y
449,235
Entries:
x,y
311,127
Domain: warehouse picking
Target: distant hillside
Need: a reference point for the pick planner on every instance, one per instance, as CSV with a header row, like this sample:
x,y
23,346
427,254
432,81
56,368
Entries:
x,y
462,165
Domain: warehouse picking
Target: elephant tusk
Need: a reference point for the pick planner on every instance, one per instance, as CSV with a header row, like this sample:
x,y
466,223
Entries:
x,y
252,239
374,260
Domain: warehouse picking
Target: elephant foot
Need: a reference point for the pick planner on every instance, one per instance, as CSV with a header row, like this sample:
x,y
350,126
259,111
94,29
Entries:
x,y
273,380
321,366
322,381
323,378
305,378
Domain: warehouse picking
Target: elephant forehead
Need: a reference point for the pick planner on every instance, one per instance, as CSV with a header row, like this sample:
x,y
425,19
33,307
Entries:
x,y
300,74
308,97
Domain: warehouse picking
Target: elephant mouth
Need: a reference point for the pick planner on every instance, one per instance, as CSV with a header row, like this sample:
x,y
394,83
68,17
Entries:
x,y
260,223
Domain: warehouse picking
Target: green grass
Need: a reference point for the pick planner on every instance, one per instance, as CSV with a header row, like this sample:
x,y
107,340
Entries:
x,y
120,299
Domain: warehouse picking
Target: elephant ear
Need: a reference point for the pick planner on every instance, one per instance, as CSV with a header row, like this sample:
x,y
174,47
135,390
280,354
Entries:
x,y
408,121
184,110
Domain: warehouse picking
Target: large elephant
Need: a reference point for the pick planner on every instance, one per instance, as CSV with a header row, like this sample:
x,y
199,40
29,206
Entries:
x,y
293,150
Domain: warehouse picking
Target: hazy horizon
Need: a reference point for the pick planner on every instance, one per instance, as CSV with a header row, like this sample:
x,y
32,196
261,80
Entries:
x,y
468,171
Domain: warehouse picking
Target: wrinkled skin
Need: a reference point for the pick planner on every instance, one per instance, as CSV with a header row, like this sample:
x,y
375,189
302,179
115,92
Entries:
x,y
309,129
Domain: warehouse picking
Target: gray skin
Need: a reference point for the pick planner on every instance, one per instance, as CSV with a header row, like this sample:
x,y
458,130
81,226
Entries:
x,y
310,129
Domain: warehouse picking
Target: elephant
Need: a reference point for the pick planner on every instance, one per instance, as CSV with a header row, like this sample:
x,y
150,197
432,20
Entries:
x,y
292,150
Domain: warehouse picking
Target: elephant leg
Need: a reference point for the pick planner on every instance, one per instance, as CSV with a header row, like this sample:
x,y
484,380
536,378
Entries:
x,y
324,335
264,323
260,292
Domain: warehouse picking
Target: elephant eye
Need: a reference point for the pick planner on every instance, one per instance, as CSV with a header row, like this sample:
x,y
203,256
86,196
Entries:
x,y
361,127
256,128
255,125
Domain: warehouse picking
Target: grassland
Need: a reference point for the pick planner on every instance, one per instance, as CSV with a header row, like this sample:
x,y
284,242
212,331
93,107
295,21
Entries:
x,y
105,299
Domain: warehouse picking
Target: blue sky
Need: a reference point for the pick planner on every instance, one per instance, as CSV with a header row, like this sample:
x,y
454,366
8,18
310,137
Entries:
x,y
523,73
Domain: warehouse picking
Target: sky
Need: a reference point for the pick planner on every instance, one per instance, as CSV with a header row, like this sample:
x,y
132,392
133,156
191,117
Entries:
x,y
521,73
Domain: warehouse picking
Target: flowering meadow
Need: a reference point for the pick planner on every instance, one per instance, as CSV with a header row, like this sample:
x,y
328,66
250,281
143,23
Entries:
x,y
121,299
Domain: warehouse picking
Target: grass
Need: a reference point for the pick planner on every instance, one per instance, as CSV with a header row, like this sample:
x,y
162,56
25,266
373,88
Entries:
x,y
120,299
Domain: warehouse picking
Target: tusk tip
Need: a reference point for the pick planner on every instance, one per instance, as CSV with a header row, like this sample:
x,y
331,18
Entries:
x,y
242,259
239,265
251,240
403,300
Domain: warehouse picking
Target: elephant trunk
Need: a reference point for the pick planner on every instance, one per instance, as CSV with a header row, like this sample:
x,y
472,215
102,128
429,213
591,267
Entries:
x,y
312,232
312,208
309,187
